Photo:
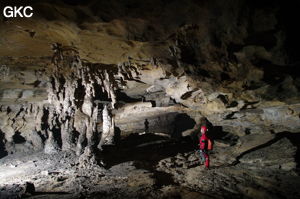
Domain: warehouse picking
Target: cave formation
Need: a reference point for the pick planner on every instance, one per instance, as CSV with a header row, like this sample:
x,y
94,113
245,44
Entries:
x,y
105,99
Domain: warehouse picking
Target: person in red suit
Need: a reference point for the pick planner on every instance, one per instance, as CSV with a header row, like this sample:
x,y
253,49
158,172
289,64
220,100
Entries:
x,y
204,146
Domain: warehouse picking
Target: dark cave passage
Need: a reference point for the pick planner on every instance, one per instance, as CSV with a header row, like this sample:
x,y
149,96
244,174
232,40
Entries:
x,y
149,148
18,138
182,122
295,139
2,145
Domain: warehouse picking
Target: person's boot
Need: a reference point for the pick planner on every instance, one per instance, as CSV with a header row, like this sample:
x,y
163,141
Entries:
x,y
207,163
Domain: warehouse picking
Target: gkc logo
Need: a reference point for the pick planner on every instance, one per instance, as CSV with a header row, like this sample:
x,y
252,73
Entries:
x,y
15,11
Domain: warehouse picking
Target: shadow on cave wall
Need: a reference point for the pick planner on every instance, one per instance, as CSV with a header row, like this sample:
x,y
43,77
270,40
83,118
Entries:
x,y
295,140
217,133
2,146
18,138
182,122
149,148
123,97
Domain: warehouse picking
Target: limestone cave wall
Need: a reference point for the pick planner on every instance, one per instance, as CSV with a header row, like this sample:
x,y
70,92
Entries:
x,y
70,77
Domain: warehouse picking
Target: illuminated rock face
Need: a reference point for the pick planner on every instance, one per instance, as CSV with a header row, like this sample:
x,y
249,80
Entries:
x,y
227,61
79,114
107,97
108,130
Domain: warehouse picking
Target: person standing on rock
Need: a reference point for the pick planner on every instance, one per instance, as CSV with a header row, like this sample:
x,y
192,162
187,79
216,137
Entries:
x,y
205,145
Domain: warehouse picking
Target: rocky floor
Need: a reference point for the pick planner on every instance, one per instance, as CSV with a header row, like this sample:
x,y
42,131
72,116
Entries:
x,y
153,166
75,70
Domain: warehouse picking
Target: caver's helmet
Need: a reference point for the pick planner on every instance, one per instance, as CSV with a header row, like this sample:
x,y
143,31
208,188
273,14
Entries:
x,y
203,129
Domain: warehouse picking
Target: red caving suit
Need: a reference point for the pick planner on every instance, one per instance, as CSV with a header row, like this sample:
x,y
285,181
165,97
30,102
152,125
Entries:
x,y
203,148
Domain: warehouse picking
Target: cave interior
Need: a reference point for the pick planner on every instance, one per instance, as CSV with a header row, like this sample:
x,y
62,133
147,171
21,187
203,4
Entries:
x,y
106,99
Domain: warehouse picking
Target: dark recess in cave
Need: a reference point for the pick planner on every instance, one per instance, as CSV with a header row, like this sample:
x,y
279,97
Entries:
x,y
223,98
79,93
131,148
99,95
274,74
45,117
232,104
18,138
217,133
288,13
295,140
266,39
188,55
125,98
57,136
203,73
62,82
163,179
230,116
182,122
231,49
224,76
187,94
2,145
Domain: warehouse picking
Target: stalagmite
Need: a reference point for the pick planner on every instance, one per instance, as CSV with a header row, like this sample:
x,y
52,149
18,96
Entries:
x,y
66,135
123,118
51,145
67,72
67,118
108,132
109,88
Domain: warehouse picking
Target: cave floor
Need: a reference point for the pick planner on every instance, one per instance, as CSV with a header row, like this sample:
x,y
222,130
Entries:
x,y
141,166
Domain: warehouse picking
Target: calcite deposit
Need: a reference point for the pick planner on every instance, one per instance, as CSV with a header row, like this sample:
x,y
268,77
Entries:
x,y
116,92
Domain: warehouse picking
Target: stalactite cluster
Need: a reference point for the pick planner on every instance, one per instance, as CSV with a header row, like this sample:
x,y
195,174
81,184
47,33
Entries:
x,y
79,114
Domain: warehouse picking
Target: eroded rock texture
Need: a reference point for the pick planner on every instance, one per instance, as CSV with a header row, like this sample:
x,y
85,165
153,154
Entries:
x,y
80,75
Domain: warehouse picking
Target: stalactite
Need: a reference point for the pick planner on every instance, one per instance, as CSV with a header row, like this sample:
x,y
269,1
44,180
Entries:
x,y
107,136
68,70
108,86
51,145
